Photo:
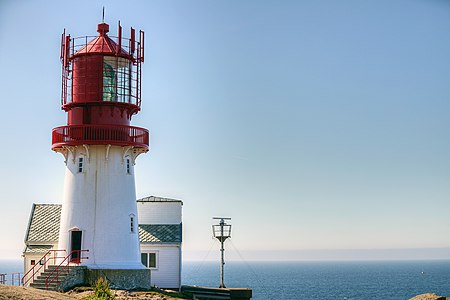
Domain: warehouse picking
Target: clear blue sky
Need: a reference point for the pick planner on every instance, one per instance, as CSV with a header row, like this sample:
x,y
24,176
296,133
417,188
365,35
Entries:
x,y
313,124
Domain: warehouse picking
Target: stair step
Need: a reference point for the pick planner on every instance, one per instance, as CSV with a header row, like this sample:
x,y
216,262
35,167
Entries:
x,y
62,267
40,281
45,277
52,267
43,287
40,277
42,284
44,280
47,273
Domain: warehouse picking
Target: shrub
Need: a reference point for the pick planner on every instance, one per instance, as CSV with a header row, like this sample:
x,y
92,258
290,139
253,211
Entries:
x,y
102,291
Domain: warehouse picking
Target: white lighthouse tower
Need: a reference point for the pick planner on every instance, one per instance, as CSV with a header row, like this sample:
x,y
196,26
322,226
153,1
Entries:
x,y
101,92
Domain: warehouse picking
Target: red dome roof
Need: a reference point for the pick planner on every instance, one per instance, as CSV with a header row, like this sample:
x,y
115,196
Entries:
x,y
102,44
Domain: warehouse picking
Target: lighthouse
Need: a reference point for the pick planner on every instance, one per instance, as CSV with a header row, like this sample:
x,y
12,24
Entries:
x,y
101,91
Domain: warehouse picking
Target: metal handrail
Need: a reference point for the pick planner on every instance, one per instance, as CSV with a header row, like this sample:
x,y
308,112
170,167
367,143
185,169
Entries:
x,y
43,258
61,267
13,278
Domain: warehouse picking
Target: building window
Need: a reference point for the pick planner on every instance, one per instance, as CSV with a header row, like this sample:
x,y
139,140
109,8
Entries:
x,y
148,259
128,161
132,229
80,164
33,262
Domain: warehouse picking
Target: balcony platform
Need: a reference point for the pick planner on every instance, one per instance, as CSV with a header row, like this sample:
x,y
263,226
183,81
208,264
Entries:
x,y
118,135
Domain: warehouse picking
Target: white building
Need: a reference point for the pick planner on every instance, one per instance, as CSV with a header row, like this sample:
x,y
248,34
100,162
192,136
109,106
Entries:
x,y
42,233
160,235
160,232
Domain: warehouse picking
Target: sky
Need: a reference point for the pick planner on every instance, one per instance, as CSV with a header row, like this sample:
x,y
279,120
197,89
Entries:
x,y
322,128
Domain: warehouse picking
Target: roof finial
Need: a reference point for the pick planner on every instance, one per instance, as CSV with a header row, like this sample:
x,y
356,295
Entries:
x,y
103,28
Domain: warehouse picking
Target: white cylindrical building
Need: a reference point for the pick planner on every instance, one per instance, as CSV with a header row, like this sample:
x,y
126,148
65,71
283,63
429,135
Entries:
x,y
101,92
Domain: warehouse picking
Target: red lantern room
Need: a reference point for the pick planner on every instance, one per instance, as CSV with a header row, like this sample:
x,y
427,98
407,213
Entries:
x,y
101,90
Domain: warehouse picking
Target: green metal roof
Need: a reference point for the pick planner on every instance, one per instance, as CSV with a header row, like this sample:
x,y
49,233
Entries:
x,y
44,228
158,199
166,233
44,223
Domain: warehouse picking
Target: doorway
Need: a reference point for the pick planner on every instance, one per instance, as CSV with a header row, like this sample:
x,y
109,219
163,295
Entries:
x,y
75,246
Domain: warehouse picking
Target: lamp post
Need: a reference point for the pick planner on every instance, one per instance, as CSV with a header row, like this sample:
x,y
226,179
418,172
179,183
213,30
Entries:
x,y
222,231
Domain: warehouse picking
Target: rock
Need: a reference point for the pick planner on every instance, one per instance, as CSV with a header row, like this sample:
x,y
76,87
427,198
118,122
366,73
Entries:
x,y
428,296
10,292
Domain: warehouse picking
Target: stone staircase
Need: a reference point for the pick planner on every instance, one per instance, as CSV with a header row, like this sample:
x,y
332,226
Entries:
x,y
39,281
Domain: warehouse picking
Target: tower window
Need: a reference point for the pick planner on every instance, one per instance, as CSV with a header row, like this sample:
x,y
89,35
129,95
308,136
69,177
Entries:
x,y
80,164
128,160
132,229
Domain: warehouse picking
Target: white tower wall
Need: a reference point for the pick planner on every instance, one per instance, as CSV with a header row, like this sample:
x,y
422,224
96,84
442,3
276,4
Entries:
x,y
100,201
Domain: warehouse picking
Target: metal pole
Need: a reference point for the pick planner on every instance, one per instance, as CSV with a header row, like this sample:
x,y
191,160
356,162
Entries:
x,y
222,250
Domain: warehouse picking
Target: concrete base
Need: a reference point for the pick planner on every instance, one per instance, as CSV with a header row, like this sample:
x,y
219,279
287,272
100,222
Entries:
x,y
118,279
121,279
74,278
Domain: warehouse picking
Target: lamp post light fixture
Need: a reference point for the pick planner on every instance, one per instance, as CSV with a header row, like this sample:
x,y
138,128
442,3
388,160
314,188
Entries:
x,y
221,231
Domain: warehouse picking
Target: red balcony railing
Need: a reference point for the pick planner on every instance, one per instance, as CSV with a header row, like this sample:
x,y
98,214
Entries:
x,y
119,135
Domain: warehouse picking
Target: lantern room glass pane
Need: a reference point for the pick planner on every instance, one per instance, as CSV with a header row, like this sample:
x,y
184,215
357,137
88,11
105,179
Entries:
x,y
116,79
123,80
109,81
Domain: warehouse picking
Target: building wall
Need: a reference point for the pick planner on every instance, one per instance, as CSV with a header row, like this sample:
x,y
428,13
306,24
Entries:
x,y
168,271
27,265
159,212
28,257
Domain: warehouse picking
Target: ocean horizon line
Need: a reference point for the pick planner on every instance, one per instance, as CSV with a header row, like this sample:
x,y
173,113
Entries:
x,y
391,254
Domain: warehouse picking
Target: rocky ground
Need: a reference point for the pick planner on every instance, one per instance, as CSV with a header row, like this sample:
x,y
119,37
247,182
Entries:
x,y
27,293
429,297
122,295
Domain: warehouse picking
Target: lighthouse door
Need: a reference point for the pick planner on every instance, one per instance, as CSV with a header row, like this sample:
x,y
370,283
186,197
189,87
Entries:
x,y
75,246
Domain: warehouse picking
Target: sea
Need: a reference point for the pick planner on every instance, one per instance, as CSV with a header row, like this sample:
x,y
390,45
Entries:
x,y
343,280
349,280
